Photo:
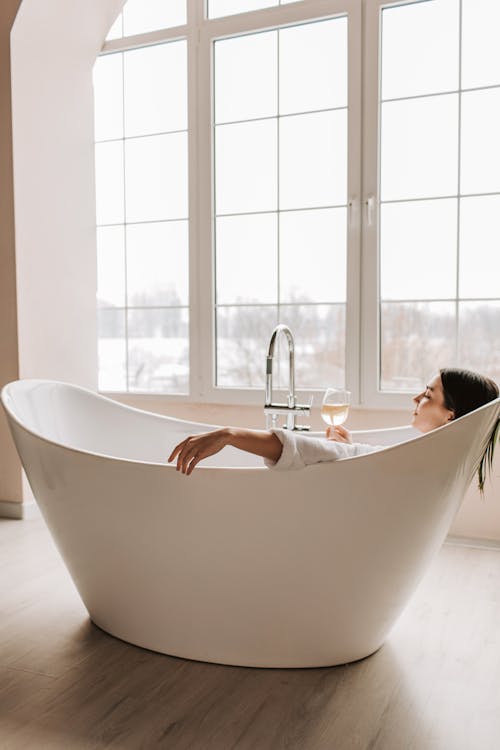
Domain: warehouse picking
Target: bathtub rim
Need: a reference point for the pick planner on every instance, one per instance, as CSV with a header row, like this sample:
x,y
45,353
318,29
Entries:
x,y
4,393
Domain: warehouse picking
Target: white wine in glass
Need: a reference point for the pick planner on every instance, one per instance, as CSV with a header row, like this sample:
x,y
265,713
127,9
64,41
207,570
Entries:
x,y
335,406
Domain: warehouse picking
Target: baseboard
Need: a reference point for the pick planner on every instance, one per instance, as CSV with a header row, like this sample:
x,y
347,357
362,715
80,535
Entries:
x,y
18,511
470,541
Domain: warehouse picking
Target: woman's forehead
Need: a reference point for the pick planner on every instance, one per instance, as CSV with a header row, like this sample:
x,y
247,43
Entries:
x,y
435,382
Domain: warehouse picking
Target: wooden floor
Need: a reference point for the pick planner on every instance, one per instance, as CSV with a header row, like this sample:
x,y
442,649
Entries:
x,y
66,685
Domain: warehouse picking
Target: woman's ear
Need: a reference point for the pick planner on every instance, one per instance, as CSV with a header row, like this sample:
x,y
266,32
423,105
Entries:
x,y
452,415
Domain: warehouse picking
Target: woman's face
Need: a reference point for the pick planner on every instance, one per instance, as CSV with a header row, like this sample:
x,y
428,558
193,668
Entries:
x,y
430,411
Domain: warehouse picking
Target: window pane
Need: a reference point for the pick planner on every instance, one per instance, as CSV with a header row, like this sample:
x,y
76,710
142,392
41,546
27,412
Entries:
x,y
418,250
156,89
243,335
157,264
245,167
108,97
480,48
313,160
110,267
313,66
158,350
479,247
112,350
109,182
417,338
218,8
141,16
420,43
313,256
246,259
156,177
480,168
419,146
319,335
479,342
246,77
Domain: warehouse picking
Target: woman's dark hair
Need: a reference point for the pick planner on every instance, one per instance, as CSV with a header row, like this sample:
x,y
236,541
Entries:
x,y
465,391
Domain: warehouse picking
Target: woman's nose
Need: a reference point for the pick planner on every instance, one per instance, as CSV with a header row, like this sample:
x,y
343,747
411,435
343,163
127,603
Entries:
x,y
417,397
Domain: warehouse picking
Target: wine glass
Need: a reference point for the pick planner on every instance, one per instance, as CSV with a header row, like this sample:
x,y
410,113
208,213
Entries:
x,y
335,406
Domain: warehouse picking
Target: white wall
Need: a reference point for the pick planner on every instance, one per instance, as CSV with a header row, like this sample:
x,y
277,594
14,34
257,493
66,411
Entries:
x,y
54,46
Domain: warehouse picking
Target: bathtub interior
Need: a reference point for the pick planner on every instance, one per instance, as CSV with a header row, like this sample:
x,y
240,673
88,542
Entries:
x,y
81,419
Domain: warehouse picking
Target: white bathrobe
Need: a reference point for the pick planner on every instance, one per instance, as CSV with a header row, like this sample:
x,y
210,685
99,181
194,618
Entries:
x,y
300,450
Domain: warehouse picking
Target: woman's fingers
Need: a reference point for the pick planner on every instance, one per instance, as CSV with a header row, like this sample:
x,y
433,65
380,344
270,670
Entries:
x,y
193,463
184,452
338,433
344,434
176,450
185,455
332,433
180,451
196,447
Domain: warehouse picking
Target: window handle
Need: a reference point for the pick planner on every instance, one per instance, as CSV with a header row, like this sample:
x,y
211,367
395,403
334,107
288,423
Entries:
x,y
370,207
353,206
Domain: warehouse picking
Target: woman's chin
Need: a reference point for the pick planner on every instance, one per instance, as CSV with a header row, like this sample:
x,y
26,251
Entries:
x,y
416,422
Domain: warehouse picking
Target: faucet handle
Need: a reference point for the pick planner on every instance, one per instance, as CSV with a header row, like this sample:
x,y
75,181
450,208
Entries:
x,y
304,409
273,410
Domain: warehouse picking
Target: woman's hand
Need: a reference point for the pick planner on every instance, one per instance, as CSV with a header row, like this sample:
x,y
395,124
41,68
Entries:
x,y
339,434
191,451
196,447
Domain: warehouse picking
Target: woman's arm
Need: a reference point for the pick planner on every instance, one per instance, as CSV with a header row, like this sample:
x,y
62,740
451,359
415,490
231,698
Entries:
x,y
196,447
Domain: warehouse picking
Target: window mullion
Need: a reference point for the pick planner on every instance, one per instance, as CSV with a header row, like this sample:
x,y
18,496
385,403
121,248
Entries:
x,y
202,266
353,217
370,308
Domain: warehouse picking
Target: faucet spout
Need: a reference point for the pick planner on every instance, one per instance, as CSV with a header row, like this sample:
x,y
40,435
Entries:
x,y
281,328
291,408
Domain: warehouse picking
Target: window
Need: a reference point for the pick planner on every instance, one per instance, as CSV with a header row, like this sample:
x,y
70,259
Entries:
x,y
248,123
435,180
438,185
142,218
281,199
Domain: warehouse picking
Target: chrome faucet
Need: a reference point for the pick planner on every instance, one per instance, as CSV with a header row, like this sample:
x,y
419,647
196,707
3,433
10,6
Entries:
x,y
291,408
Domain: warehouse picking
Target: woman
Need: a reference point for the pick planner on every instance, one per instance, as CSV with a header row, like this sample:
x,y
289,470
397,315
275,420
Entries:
x,y
449,395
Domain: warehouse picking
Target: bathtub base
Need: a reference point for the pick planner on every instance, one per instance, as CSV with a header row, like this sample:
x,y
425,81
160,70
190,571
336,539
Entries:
x,y
242,661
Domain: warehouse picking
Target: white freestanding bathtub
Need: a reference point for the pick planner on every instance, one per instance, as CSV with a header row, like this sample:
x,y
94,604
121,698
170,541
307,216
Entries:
x,y
237,564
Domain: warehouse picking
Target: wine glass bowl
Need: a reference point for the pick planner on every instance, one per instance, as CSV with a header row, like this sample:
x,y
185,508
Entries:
x,y
335,406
